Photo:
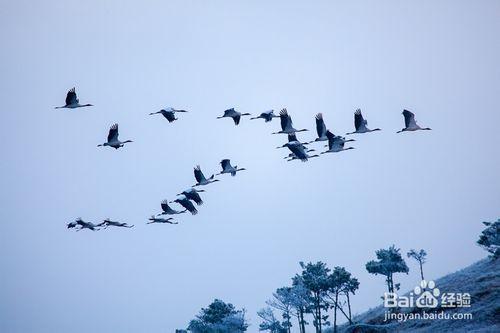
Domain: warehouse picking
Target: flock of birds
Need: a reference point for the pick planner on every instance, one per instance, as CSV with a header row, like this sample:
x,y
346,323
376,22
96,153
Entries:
x,y
188,198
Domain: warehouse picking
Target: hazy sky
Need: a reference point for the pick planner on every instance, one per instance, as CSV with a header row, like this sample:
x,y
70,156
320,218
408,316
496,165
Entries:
x,y
426,190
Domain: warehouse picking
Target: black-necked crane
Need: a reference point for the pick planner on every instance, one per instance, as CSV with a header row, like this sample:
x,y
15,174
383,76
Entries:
x,y
320,128
167,210
336,143
113,138
411,123
292,156
107,222
83,225
168,113
228,168
360,124
299,151
186,203
72,102
154,219
267,116
200,177
232,113
192,194
287,124
292,137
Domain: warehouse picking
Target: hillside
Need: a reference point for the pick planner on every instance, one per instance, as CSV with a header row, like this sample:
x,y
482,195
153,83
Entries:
x,y
481,280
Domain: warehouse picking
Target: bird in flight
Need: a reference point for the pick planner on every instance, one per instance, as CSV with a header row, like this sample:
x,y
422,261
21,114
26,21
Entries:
x,y
336,143
411,123
186,203
200,177
107,222
228,168
360,124
320,128
113,138
192,194
154,219
286,124
80,224
232,113
169,113
298,150
167,210
267,116
72,102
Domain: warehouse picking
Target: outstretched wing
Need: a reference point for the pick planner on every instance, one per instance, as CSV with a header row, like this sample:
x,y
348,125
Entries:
x,y
236,119
71,97
170,115
198,174
320,125
196,198
331,139
409,118
226,164
359,121
285,119
164,206
189,206
292,137
299,151
113,133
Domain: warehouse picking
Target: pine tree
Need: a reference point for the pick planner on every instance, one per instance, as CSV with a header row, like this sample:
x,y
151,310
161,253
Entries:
x,y
389,262
420,257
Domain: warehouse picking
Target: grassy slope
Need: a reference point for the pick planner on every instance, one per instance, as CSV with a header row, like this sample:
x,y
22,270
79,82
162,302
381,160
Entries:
x,y
481,280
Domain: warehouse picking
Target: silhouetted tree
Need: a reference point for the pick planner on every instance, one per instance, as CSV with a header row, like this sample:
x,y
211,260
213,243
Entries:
x,y
313,291
350,288
336,284
316,280
219,317
283,301
269,321
420,257
300,301
389,262
490,238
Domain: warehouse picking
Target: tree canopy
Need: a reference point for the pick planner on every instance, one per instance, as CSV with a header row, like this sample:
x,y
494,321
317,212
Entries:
x,y
490,238
219,317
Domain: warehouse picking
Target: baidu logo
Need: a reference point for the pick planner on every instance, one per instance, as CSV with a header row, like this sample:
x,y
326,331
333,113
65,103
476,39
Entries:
x,y
427,295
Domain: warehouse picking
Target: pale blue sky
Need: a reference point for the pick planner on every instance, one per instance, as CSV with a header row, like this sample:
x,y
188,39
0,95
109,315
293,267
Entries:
x,y
425,190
